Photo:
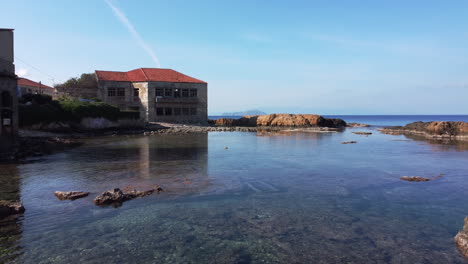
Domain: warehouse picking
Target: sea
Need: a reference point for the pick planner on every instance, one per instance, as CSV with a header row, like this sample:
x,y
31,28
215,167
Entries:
x,y
244,197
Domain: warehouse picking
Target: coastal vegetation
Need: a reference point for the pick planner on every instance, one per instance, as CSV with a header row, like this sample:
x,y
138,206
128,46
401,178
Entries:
x,y
42,109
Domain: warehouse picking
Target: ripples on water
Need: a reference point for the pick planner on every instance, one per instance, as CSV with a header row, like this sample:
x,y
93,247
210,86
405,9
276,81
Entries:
x,y
270,198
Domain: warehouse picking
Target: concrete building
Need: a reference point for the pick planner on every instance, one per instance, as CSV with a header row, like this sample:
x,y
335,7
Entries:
x,y
26,86
162,95
8,91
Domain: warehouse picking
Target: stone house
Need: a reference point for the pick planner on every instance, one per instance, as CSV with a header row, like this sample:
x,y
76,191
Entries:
x,y
26,86
161,95
8,91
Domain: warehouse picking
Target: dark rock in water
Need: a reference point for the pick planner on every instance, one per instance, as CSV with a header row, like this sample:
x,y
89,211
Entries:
x,y
414,178
461,239
117,196
10,208
349,142
362,133
70,195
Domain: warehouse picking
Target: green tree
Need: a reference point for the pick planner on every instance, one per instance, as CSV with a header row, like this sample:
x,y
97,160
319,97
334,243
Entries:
x,y
75,86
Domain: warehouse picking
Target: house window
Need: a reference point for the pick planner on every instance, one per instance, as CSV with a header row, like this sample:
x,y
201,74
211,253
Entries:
x,y
120,91
168,92
193,93
159,92
176,93
136,92
168,111
185,92
193,111
177,111
185,111
159,111
110,91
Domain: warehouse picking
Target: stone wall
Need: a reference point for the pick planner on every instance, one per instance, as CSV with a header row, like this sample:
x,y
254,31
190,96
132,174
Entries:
x,y
147,102
200,103
8,112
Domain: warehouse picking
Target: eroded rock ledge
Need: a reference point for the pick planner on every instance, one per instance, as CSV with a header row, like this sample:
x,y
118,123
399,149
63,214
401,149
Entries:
x,y
435,129
282,120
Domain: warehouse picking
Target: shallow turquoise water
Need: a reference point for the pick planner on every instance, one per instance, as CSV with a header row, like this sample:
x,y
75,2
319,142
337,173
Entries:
x,y
268,198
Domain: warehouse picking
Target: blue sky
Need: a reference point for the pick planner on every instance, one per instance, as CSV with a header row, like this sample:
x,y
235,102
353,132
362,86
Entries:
x,y
325,57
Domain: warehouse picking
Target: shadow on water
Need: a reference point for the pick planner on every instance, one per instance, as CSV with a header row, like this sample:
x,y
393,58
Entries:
x,y
11,226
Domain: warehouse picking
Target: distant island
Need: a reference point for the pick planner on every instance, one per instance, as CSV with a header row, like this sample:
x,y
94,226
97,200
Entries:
x,y
244,113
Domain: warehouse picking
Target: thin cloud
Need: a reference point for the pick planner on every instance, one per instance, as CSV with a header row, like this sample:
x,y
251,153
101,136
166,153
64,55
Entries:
x,y
22,72
123,18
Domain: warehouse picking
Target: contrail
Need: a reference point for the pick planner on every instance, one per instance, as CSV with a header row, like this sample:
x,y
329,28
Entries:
x,y
121,16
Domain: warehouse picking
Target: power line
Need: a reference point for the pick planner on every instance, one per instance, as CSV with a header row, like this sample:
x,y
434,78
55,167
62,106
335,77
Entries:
x,y
37,69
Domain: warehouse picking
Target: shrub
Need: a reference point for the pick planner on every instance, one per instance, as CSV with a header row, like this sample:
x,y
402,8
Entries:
x,y
66,109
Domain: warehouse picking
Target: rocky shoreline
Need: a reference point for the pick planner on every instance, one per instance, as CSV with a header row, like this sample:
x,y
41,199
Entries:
x,y
434,130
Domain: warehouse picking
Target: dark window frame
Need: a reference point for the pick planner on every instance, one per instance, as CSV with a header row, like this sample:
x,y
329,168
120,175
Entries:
x,y
159,92
111,91
120,92
159,111
168,92
185,93
193,111
168,111
136,92
193,92
185,111
177,111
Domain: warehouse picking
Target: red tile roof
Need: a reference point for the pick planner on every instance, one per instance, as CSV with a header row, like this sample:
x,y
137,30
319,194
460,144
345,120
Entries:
x,y
145,75
29,83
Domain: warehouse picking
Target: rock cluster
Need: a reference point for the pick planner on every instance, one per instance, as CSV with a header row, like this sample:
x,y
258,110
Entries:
x,y
282,120
117,196
70,195
436,129
461,239
414,178
10,208
349,142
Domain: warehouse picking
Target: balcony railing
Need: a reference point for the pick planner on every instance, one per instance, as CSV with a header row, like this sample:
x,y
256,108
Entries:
x,y
180,100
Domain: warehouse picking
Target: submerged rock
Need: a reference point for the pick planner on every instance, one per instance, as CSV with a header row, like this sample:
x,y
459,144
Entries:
x,y
70,195
362,133
117,196
357,125
10,208
414,178
349,142
461,239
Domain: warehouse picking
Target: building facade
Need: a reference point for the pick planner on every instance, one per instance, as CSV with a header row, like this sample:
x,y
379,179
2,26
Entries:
x,y
8,91
160,95
26,86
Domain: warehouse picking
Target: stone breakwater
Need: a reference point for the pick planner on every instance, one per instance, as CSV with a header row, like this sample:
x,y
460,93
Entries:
x,y
204,129
436,129
282,120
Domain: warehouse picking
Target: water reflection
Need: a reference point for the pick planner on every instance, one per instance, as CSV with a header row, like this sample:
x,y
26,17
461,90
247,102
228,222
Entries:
x,y
299,198
440,144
